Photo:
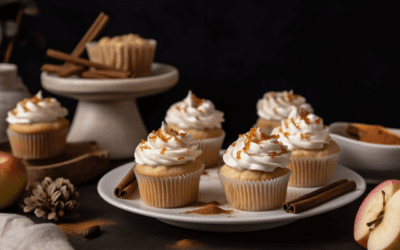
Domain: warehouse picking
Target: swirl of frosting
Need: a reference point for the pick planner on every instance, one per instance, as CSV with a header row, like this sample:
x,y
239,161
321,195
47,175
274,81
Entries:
x,y
257,151
278,105
36,110
166,147
194,113
302,130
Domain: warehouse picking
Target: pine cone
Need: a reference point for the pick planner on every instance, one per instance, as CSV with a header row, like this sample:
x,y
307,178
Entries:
x,y
52,199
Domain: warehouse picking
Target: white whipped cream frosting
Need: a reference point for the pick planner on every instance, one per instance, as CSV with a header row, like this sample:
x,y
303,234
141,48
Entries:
x,y
257,151
278,105
36,110
194,113
302,130
167,147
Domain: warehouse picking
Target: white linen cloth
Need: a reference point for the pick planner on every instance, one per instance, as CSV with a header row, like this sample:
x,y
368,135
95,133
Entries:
x,y
17,232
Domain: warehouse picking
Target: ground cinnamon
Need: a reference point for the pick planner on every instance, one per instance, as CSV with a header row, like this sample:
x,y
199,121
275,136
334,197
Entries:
x,y
209,209
74,229
372,134
187,244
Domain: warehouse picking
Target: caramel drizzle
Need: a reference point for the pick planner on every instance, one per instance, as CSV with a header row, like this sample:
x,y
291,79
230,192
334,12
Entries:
x,y
238,154
163,151
34,100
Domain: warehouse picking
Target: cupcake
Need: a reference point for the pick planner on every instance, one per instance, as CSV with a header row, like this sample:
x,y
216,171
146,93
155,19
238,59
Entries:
x,y
314,153
255,177
37,128
167,169
199,118
275,106
127,52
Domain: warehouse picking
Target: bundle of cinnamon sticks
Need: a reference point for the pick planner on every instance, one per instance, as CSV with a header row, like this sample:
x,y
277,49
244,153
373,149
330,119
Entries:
x,y
319,196
74,65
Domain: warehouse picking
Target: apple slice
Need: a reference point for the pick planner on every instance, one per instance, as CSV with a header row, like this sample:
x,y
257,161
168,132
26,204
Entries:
x,y
371,208
385,233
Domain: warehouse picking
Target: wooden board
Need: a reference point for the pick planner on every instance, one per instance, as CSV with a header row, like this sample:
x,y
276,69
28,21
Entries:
x,y
80,162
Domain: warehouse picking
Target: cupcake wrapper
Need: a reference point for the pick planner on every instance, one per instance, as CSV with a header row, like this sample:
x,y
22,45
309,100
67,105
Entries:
x,y
255,195
174,191
312,171
210,150
37,146
135,58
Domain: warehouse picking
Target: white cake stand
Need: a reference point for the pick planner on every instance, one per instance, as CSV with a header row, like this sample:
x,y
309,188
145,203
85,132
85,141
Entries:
x,y
107,112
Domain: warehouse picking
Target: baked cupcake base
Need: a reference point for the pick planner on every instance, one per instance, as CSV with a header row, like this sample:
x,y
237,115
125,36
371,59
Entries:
x,y
169,192
313,168
255,195
38,141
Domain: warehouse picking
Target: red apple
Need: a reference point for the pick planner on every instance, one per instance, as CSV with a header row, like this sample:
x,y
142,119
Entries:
x,y
371,208
13,179
385,233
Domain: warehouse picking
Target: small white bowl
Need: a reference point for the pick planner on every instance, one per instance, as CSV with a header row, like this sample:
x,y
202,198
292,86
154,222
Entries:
x,y
375,162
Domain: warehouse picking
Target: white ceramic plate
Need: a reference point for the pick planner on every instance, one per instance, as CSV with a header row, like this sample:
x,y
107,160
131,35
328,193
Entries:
x,y
211,190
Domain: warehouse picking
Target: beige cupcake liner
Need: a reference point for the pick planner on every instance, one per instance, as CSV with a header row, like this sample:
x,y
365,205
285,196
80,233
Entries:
x,y
136,58
312,171
255,195
39,145
210,150
173,191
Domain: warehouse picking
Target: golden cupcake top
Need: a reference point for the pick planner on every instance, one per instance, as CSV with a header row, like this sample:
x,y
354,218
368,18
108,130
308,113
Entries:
x,y
36,110
256,150
167,147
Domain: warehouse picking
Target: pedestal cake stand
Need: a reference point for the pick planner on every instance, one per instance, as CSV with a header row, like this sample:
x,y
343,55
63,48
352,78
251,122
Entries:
x,y
107,112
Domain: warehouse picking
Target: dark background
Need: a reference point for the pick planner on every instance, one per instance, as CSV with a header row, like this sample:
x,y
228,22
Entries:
x,y
342,56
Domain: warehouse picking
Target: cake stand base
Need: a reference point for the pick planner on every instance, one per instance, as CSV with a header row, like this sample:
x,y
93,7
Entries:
x,y
114,125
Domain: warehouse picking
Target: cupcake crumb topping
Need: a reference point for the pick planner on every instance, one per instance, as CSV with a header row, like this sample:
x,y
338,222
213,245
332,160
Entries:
x,y
278,105
194,113
167,147
302,129
256,150
36,109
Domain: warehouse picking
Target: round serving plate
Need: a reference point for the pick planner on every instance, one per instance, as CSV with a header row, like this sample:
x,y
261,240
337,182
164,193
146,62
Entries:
x,y
211,190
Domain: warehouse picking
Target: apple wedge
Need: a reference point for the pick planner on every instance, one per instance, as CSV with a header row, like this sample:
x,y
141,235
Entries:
x,y
371,209
385,233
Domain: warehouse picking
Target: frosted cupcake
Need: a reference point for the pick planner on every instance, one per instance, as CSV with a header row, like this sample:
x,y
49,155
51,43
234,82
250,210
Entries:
x,y
254,176
37,128
275,106
127,52
199,118
314,153
167,169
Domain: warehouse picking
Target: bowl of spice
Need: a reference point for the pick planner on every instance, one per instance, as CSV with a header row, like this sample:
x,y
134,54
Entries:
x,y
371,150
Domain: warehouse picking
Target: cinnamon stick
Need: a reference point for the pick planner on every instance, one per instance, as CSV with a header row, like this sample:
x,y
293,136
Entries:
x,y
127,186
319,196
100,74
51,68
98,25
80,61
12,41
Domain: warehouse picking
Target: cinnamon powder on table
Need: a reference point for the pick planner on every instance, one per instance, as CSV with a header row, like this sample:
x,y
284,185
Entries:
x,y
74,229
209,208
187,244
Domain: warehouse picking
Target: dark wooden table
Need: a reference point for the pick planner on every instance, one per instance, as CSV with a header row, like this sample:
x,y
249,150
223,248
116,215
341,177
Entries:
x,y
331,230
